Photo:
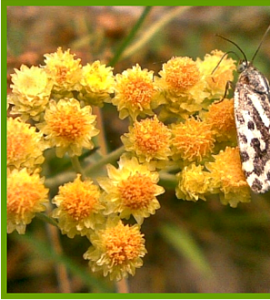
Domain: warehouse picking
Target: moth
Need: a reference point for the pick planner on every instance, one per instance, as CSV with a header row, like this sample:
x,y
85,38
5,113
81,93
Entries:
x,y
252,117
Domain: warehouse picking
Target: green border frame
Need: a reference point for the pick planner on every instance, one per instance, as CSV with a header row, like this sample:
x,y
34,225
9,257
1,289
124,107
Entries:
x,y
6,3
4,294
138,296
3,150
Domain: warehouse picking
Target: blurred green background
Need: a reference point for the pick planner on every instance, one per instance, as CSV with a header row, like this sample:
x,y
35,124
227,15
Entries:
x,y
201,247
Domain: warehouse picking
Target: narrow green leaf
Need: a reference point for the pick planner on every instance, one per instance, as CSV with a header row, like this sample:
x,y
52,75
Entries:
x,y
130,37
186,246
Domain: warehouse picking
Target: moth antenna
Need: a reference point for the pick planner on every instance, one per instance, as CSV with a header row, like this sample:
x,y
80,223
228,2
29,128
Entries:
x,y
265,34
222,60
244,55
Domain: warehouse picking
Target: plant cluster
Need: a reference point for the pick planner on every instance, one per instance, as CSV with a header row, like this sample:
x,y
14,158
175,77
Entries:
x,y
176,127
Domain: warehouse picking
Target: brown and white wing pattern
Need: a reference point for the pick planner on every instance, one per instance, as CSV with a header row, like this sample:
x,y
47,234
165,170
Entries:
x,y
252,117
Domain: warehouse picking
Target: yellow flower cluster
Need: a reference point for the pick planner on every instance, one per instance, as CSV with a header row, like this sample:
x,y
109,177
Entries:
x,y
193,183
26,196
192,141
149,140
228,177
64,71
78,207
51,99
68,127
182,86
97,83
175,126
31,90
216,81
116,250
221,118
61,77
24,145
26,191
131,189
135,93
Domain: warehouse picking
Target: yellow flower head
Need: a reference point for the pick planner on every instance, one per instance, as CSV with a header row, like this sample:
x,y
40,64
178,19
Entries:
x,y
182,85
97,83
78,207
191,141
26,196
180,74
131,190
24,145
31,91
227,175
69,127
221,118
149,139
193,183
135,92
217,81
116,250
64,70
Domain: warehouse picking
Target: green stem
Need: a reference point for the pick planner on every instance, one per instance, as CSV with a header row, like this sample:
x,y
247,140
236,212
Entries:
x,y
111,157
167,180
153,29
77,166
46,219
131,35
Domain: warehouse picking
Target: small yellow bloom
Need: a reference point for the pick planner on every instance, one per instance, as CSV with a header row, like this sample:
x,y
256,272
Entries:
x,y
26,196
24,145
182,86
192,141
31,91
149,139
97,83
180,74
131,190
193,183
135,93
221,118
227,175
64,70
78,207
69,127
216,82
116,250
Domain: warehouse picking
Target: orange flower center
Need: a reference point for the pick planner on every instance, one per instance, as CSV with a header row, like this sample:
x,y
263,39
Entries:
x,y
61,73
68,123
221,116
193,140
181,73
17,145
123,243
22,198
151,136
137,191
139,92
79,202
24,194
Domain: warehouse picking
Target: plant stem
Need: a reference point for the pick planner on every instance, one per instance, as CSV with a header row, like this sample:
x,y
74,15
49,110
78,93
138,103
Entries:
x,y
111,157
122,286
77,166
130,36
153,29
101,136
60,268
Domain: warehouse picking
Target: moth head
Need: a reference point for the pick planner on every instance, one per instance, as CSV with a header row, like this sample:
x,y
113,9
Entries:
x,y
242,66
